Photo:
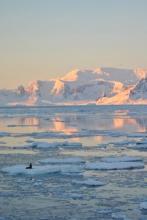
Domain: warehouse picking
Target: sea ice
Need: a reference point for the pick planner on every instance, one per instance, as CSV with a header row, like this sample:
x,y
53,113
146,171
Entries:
x,y
36,170
139,147
44,145
119,216
121,159
75,196
81,133
69,160
114,165
70,169
45,169
142,141
137,135
89,182
143,206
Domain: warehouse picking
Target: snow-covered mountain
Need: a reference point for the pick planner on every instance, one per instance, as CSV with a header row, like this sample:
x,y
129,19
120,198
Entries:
x,y
99,86
135,94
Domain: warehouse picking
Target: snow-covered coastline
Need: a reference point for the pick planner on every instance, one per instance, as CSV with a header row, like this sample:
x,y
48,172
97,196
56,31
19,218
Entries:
x,y
101,86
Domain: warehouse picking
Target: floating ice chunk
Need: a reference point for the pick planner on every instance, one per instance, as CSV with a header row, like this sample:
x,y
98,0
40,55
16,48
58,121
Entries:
x,y
121,159
75,196
69,160
36,170
45,145
70,169
119,216
45,169
143,206
114,165
142,141
89,182
81,133
38,183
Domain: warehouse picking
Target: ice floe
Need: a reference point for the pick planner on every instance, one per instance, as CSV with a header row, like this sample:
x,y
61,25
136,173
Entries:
x,y
45,169
81,133
89,182
21,169
143,206
142,141
114,165
70,169
75,196
121,159
45,145
119,216
137,135
139,147
69,160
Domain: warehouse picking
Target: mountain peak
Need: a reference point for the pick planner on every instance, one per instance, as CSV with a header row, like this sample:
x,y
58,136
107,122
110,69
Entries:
x,y
106,85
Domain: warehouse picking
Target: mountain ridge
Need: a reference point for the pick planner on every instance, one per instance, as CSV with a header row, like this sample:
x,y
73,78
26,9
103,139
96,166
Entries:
x,y
91,86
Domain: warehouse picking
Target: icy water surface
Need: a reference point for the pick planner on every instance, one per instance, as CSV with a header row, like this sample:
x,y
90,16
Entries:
x,y
89,162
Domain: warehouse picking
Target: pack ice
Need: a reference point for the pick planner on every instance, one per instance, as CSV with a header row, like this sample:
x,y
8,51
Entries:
x,y
116,163
45,169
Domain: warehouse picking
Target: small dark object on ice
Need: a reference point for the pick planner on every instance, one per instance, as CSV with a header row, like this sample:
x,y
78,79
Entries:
x,y
30,166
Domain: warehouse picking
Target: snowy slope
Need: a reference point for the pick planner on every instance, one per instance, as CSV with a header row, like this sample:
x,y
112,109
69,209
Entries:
x,y
135,94
106,85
